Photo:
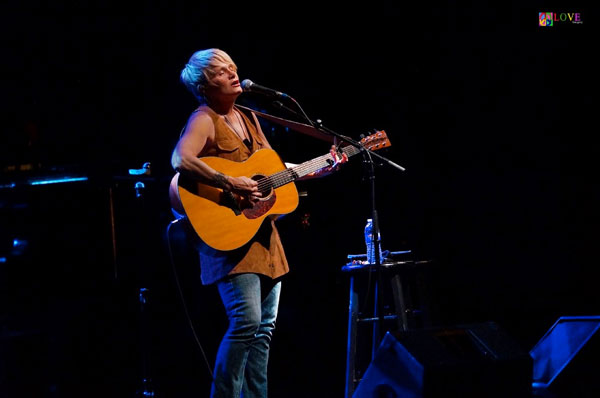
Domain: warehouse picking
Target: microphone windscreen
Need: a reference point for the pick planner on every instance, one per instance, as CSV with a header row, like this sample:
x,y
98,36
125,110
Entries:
x,y
246,84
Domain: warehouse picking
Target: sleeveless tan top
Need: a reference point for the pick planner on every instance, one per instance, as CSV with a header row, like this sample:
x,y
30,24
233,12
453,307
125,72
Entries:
x,y
264,253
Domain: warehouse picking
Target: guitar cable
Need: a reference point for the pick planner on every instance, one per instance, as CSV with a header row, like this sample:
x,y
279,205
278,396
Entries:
x,y
185,308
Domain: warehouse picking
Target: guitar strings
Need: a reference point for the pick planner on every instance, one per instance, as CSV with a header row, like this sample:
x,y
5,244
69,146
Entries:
x,y
287,175
283,177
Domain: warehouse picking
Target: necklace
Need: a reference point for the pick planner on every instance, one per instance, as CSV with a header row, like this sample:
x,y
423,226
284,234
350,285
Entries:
x,y
240,130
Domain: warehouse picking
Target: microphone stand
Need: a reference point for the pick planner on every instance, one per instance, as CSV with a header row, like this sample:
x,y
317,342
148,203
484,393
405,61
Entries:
x,y
145,387
378,329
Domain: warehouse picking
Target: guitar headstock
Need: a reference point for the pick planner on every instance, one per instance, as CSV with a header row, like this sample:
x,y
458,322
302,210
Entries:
x,y
376,141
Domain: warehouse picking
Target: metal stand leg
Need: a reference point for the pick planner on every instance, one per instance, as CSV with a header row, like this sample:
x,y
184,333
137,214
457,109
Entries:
x,y
145,389
376,335
351,348
399,303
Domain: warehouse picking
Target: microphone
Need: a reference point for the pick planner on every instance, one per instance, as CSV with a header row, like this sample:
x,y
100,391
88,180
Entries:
x,y
248,85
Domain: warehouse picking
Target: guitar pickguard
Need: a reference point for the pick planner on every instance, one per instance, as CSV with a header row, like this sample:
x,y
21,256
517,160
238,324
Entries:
x,y
261,207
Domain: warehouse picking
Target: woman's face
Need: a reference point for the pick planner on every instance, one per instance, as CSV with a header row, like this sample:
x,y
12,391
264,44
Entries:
x,y
224,82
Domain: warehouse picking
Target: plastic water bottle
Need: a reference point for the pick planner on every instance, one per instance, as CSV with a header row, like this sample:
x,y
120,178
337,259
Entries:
x,y
370,244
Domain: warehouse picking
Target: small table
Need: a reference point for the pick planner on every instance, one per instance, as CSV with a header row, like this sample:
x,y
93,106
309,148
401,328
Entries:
x,y
403,314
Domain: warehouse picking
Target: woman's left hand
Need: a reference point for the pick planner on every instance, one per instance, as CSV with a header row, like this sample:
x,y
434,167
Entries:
x,y
335,166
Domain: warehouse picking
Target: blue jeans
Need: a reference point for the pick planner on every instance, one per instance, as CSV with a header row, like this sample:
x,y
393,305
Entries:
x,y
251,303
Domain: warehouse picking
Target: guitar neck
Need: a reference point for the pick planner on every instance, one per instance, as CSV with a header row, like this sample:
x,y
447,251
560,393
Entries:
x,y
293,173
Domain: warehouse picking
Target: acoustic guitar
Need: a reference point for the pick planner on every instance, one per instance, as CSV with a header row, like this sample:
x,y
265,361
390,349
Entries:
x,y
226,221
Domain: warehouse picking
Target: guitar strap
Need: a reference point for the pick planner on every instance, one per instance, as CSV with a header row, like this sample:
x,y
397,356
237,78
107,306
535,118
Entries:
x,y
299,127
247,112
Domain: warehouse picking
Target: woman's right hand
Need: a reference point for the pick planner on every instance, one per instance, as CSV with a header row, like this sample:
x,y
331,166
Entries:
x,y
246,187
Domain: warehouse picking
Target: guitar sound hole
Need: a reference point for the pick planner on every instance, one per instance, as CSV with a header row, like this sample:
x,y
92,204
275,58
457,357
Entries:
x,y
265,203
266,191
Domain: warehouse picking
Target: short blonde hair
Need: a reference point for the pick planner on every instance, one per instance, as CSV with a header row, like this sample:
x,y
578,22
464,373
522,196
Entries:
x,y
200,69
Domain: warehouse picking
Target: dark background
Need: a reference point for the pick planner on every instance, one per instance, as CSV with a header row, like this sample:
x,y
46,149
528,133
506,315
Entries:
x,y
490,114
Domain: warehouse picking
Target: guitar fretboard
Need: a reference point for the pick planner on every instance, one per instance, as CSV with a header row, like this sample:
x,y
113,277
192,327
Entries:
x,y
288,175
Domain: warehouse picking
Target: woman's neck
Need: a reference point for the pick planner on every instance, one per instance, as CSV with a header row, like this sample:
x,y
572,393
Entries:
x,y
222,107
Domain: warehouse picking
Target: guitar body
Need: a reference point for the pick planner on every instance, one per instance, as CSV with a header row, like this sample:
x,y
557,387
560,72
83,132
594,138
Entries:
x,y
226,221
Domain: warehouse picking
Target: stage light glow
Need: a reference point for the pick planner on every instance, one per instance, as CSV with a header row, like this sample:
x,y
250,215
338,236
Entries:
x,y
57,180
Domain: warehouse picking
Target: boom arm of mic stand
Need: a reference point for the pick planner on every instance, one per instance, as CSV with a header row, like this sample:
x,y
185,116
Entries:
x,y
359,146
319,126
